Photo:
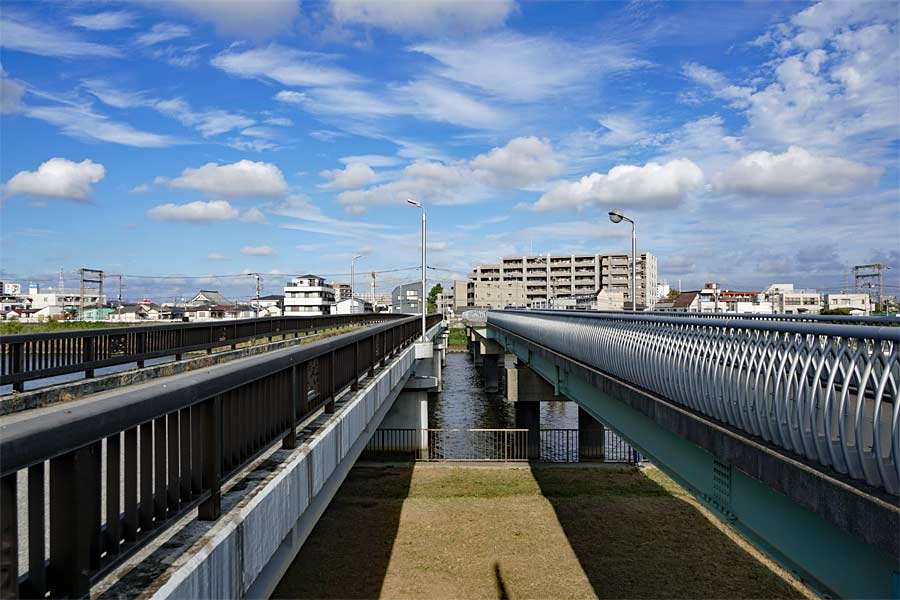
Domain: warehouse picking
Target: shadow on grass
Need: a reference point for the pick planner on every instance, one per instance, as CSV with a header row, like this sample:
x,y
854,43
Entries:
x,y
635,538
347,553
502,592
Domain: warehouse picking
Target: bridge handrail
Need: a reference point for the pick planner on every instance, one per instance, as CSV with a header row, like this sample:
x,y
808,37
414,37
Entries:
x,y
824,391
30,356
170,446
810,318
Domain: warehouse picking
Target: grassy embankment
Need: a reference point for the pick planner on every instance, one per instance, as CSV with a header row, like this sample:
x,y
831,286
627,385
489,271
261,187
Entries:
x,y
541,532
14,327
458,337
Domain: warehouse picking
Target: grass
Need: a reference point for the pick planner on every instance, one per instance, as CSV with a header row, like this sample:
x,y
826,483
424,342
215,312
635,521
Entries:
x,y
540,532
458,336
14,327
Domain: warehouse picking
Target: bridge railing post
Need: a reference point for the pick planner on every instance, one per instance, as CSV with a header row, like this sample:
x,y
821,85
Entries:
x,y
211,508
290,439
9,538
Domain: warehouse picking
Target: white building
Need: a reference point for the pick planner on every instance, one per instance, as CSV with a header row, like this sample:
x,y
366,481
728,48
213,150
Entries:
x,y
352,306
66,298
662,290
858,304
788,301
308,296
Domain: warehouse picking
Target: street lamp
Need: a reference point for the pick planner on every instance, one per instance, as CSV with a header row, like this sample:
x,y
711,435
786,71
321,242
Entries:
x,y
422,295
353,282
617,217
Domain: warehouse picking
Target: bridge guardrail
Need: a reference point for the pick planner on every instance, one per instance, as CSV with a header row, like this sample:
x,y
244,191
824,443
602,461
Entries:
x,y
165,450
800,318
826,391
30,356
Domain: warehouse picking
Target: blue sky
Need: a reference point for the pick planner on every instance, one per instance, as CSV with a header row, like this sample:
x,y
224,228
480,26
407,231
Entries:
x,y
751,142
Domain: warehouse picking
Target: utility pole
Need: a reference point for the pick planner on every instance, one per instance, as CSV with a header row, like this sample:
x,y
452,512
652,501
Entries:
x,y
258,288
90,276
373,290
120,290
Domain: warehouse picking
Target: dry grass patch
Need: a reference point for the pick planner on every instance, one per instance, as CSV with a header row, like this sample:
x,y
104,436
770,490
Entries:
x,y
546,532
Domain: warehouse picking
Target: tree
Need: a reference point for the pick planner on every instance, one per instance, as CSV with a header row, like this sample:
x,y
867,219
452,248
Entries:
x,y
432,297
672,295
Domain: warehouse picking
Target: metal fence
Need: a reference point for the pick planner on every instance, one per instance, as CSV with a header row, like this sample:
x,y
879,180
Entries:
x,y
799,318
123,470
30,356
497,445
826,391
503,445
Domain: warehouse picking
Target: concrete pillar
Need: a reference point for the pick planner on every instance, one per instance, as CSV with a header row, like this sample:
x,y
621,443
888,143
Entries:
x,y
428,362
490,371
591,437
524,385
528,416
476,353
410,411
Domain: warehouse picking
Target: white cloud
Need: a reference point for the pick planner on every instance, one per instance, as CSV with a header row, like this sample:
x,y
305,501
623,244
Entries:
x,y
526,68
11,93
257,250
354,175
523,161
653,185
105,21
253,215
80,122
140,189
194,212
796,171
58,178
717,84
437,246
245,19
438,102
244,178
423,16
162,32
217,256
45,40
285,65
290,97
279,121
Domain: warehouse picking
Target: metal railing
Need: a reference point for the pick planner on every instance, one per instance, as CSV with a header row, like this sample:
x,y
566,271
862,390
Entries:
x,y
503,445
575,445
800,318
826,391
125,469
30,356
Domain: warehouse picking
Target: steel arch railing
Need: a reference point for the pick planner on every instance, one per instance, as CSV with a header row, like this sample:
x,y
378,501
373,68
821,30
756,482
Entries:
x,y
828,392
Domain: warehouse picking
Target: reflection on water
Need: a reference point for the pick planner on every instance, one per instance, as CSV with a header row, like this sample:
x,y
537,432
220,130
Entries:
x,y
464,404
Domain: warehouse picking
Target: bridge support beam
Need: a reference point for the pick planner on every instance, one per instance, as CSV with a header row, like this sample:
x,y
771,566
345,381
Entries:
x,y
837,539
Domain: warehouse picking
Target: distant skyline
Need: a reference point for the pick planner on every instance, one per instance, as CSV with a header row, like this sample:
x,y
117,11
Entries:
x,y
752,142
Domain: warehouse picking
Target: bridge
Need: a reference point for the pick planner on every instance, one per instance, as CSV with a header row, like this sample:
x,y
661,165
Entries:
x,y
204,478
203,483
787,429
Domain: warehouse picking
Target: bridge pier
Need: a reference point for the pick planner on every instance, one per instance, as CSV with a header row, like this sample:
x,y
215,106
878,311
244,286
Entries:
x,y
526,390
591,437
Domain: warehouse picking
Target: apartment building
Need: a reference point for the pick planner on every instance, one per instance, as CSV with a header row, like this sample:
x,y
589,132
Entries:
x,y
407,298
342,291
788,301
549,277
308,296
856,303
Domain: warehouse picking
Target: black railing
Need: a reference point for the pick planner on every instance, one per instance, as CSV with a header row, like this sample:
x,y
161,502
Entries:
x,y
30,356
576,445
165,450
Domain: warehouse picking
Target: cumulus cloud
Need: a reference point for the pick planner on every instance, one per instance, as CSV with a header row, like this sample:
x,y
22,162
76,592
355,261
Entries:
x,y
426,16
162,32
257,250
354,175
523,161
243,179
58,178
105,21
653,185
796,171
194,212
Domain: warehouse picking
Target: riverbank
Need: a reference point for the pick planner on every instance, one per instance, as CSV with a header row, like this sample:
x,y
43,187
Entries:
x,y
461,532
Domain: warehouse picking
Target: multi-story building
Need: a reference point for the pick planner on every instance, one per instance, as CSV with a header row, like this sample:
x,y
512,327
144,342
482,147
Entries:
x,y
550,277
855,303
407,298
788,301
342,291
66,299
308,296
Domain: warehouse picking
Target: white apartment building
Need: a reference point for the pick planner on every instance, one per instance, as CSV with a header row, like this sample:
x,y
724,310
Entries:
x,y
856,303
550,277
308,296
788,301
65,298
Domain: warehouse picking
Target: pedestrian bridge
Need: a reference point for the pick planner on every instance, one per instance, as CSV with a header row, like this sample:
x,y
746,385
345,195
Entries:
x,y
787,429
203,484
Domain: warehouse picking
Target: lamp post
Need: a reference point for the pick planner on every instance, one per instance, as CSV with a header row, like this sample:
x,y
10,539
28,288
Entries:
x,y
353,282
617,217
422,295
